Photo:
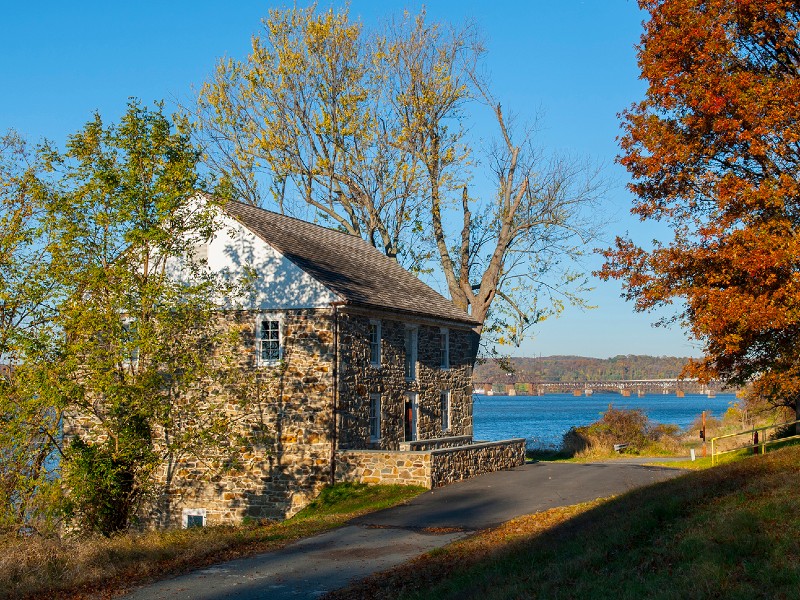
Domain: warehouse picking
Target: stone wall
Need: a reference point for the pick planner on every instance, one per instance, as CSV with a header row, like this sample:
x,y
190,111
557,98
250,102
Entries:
x,y
274,453
277,455
436,443
384,466
429,468
359,379
454,464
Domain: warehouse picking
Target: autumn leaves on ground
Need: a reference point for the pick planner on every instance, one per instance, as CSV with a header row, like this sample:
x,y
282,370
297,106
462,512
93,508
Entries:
x,y
728,532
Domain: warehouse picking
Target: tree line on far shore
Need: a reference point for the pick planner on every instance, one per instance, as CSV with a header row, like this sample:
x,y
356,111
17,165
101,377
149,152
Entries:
x,y
580,368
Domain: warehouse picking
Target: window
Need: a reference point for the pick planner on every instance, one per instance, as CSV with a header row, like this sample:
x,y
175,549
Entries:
x,y
444,396
411,353
268,341
375,343
194,517
130,343
195,520
444,348
374,417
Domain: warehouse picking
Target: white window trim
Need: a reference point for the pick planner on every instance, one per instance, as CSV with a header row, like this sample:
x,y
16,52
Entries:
x,y
377,324
192,512
377,399
413,360
448,395
268,317
444,359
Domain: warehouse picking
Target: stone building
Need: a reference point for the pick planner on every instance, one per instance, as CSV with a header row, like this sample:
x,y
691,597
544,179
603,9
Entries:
x,y
358,370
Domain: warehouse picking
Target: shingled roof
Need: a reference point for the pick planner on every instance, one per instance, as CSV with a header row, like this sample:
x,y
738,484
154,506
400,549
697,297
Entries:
x,y
346,264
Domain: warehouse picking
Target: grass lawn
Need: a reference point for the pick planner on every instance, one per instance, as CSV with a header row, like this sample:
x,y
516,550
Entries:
x,y
701,462
82,567
728,532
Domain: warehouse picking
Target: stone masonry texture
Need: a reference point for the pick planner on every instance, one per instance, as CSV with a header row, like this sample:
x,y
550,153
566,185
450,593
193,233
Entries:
x,y
359,379
276,455
429,468
384,466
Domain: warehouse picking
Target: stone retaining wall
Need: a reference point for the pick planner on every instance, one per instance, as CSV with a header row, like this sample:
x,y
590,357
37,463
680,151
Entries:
x,y
436,443
454,464
429,468
383,466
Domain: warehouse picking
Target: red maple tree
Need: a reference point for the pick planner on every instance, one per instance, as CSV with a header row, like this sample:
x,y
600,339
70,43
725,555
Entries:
x,y
714,152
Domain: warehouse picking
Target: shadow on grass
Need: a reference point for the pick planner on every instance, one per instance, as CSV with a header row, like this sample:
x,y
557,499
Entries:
x,y
726,532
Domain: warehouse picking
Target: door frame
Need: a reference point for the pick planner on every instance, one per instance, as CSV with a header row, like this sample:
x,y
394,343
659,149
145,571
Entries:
x,y
411,417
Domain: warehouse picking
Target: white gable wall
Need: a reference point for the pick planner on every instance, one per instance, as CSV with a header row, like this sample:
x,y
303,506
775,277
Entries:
x,y
279,283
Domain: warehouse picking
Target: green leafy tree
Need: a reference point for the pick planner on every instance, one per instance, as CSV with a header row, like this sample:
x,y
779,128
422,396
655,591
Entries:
x,y
28,424
138,345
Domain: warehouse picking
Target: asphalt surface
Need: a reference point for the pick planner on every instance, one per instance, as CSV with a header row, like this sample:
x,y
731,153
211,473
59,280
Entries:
x,y
376,542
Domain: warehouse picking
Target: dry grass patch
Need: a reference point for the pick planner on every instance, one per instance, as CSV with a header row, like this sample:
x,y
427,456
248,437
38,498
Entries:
x,y
103,567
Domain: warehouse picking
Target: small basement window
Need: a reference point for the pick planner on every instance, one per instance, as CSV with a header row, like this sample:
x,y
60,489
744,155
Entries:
x,y
194,517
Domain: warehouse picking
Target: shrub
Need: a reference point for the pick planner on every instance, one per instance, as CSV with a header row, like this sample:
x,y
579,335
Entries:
x,y
621,426
103,491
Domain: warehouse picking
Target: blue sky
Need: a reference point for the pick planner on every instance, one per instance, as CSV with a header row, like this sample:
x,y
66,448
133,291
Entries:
x,y
571,62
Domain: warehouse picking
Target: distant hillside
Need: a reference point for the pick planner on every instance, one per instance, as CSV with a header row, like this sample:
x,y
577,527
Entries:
x,y
581,368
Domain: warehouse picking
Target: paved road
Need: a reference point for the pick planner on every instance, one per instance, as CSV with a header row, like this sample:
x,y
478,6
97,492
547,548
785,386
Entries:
x,y
376,542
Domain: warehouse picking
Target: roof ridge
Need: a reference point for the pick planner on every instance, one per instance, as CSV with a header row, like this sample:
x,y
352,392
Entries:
x,y
285,216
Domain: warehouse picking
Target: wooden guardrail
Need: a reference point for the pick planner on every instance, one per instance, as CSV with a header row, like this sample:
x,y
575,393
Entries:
x,y
759,442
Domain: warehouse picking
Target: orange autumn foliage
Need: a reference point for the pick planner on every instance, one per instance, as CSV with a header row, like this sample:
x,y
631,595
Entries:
x,y
714,152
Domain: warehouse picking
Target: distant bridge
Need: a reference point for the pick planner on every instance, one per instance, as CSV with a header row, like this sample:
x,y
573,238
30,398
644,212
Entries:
x,y
625,388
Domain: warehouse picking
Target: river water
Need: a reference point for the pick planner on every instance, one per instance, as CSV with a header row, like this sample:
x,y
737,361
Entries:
x,y
543,420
